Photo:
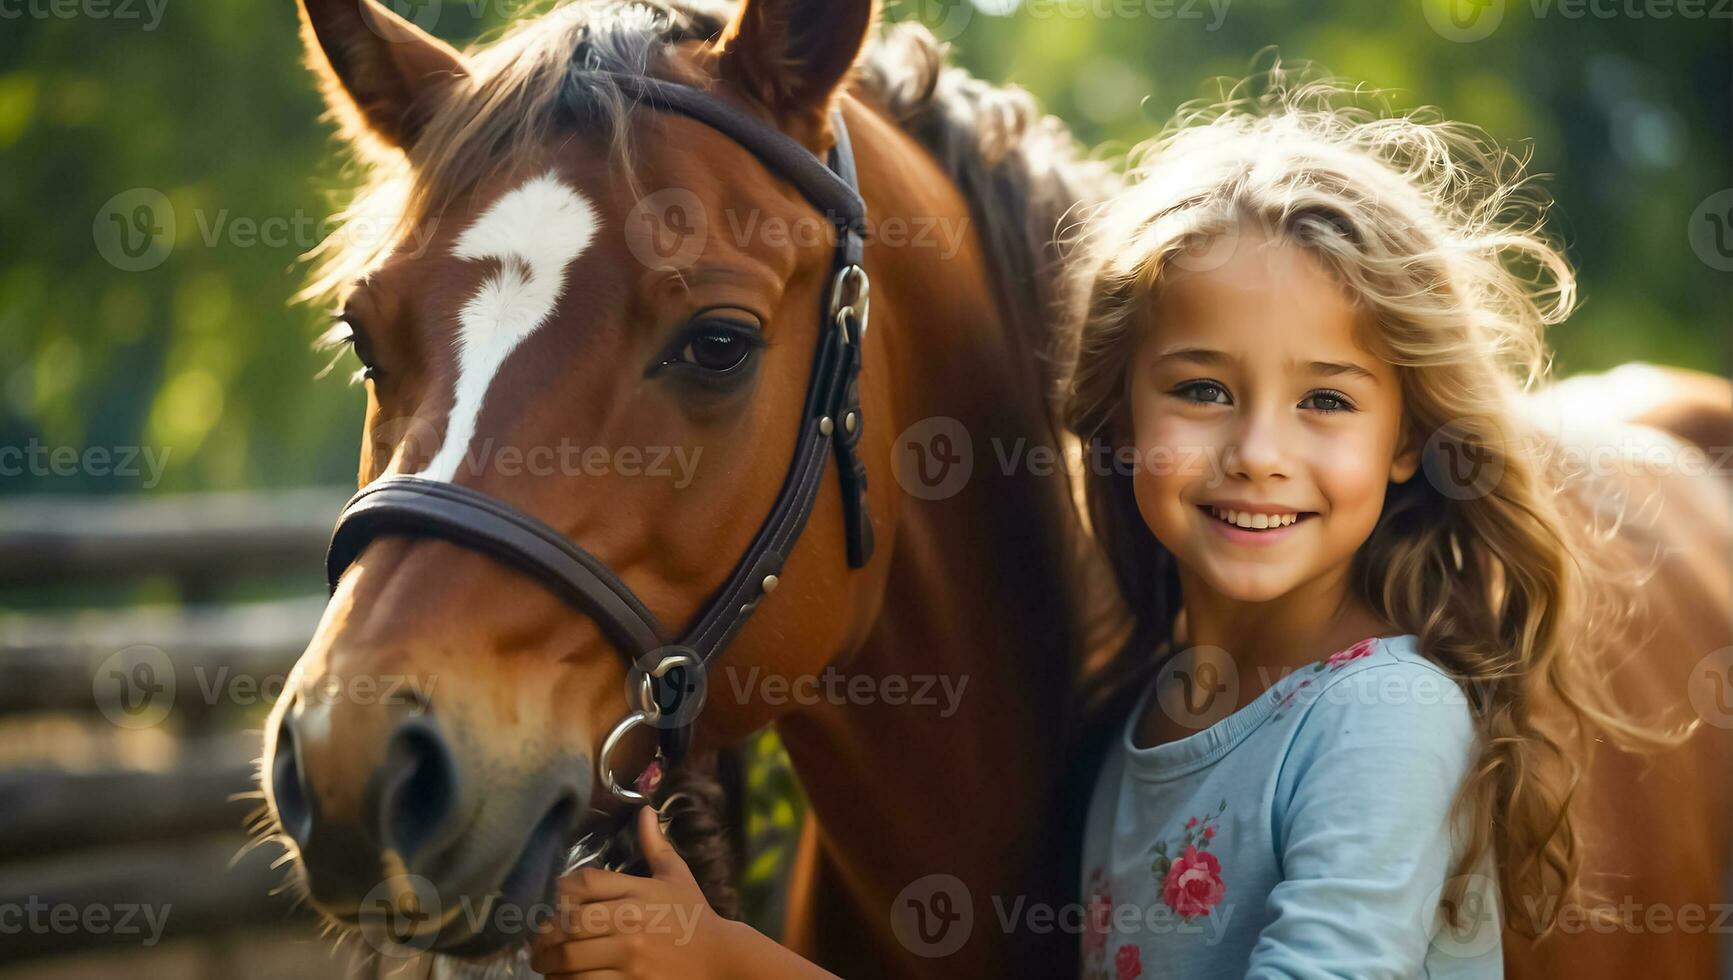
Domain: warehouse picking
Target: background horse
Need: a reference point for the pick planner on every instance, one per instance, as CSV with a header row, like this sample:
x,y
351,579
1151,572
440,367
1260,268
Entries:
x,y
1650,447
526,305
490,161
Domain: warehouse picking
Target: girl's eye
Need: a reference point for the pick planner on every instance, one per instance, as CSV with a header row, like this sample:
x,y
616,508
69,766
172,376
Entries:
x,y
1328,401
714,346
1204,393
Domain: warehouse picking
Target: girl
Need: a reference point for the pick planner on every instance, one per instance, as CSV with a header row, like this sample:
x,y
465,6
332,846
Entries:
x,y
1347,723
1305,332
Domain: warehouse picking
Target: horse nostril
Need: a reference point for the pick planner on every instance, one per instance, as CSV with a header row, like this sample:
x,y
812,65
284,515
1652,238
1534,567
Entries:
x,y
419,791
287,789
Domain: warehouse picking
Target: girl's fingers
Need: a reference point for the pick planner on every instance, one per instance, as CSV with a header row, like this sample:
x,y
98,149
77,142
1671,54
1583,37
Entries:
x,y
579,957
596,885
664,861
588,922
554,934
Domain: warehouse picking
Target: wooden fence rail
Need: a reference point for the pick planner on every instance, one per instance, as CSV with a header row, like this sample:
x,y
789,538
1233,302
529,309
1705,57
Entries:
x,y
110,897
50,811
55,662
191,537
160,830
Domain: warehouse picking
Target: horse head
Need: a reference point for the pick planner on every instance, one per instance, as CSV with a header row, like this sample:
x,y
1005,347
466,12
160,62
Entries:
x,y
604,316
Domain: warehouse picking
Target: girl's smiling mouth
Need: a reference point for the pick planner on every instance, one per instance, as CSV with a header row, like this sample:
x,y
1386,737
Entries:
x,y
1254,524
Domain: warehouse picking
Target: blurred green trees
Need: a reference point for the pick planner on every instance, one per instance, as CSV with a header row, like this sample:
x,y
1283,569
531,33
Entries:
x,y
103,102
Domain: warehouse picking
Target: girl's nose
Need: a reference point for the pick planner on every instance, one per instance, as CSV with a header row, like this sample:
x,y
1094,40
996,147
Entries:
x,y
1258,449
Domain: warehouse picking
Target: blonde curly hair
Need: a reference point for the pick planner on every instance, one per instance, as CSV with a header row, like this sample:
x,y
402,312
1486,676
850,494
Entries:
x,y
1435,232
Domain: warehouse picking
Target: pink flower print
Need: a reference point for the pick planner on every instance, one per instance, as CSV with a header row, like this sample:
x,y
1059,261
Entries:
x,y
1209,833
1128,962
1355,652
1100,920
1192,822
1194,884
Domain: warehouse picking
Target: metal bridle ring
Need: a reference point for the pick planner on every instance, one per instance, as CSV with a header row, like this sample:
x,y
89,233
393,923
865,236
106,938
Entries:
x,y
612,742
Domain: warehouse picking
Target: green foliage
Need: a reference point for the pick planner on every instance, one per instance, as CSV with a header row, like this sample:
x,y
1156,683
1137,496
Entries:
x,y
1625,115
774,807
206,102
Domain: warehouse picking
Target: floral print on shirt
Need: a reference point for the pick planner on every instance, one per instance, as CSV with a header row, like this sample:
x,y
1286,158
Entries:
x,y
1097,925
1336,661
1191,883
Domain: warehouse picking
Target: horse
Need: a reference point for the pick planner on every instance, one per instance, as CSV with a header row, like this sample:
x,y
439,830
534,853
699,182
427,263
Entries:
x,y
514,179
1646,456
522,305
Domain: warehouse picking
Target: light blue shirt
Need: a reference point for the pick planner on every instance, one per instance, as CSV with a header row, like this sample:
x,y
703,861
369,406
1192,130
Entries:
x,y
1304,835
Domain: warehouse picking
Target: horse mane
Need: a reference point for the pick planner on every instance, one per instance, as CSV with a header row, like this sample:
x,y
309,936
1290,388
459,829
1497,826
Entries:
x,y
1021,172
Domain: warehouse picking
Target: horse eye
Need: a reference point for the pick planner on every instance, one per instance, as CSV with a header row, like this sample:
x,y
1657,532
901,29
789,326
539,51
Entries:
x,y
718,346
343,335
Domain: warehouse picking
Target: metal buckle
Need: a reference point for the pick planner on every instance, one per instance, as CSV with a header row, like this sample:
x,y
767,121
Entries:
x,y
648,706
850,292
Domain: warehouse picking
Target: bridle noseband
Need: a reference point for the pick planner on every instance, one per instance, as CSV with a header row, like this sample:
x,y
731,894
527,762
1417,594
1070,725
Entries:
x,y
670,673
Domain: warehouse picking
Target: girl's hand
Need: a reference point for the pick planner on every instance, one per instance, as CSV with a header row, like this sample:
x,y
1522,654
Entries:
x,y
625,927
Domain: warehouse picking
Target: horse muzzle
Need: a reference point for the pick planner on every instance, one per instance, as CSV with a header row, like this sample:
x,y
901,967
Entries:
x,y
421,844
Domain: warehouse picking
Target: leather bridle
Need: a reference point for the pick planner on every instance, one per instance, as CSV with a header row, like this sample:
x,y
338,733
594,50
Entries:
x,y
668,673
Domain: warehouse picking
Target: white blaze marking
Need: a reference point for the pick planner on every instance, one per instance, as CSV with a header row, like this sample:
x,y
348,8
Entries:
x,y
534,231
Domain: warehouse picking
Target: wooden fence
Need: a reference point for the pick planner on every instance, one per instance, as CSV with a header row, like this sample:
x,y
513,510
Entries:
x,y
129,733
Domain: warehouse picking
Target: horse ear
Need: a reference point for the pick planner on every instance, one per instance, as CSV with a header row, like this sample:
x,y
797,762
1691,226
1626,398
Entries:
x,y
793,55
379,72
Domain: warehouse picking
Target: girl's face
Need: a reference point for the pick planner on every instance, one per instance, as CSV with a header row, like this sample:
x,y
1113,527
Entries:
x,y
1253,402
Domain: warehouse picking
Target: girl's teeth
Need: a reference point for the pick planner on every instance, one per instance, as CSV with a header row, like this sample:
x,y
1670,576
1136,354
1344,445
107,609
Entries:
x,y
1253,521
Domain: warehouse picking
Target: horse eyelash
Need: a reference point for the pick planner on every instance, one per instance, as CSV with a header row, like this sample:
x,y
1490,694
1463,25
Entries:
x,y
339,337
